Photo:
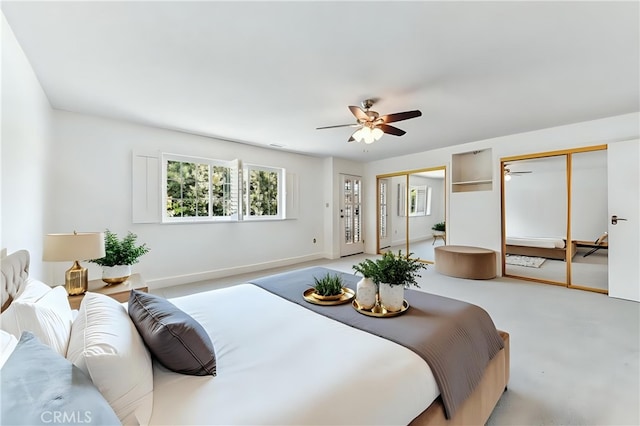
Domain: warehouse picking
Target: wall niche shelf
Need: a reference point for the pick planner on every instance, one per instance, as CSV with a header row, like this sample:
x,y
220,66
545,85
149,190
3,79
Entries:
x,y
472,171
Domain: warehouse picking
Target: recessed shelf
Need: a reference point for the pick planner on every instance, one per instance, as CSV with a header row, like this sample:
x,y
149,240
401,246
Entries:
x,y
472,171
472,182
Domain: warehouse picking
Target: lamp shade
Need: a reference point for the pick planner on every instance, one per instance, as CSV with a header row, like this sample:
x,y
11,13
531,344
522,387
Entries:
x,y
72,247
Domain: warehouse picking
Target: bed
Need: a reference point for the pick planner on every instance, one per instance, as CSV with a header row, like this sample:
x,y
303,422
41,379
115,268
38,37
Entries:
x,y
291,365
547,247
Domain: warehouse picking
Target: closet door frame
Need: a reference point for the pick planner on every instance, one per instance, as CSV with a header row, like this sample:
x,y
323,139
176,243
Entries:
x,y
406,174
567,153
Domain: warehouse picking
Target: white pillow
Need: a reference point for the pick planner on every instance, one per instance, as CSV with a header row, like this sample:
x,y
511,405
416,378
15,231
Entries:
x,y
106,345
8,343
42,310
33,290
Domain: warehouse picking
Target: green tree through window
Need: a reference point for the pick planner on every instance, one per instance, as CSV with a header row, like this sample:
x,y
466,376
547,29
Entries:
x,y
187,189
263,193
205,189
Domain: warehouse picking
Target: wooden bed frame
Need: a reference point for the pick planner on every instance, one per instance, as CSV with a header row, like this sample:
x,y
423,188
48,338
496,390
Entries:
x,y
549,253
480,404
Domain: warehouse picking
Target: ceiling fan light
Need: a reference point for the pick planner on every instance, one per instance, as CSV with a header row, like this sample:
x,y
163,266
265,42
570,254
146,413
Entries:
x,y
358,136
507,177
377,133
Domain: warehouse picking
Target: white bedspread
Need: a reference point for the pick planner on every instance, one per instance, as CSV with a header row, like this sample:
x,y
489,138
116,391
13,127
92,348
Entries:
x,y
279,363
541,242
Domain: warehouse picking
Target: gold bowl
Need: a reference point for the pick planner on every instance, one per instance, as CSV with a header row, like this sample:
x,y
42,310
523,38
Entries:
x,y
327,298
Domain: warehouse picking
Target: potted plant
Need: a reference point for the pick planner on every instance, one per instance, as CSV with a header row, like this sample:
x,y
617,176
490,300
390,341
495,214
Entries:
x,y
120,254
439,228
393,273
366,289
328,287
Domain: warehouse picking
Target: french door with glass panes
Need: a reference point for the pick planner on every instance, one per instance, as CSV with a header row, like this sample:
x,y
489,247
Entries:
x,y
351,215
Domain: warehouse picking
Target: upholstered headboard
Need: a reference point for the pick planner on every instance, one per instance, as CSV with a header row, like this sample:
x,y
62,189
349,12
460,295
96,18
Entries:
x,y
15,271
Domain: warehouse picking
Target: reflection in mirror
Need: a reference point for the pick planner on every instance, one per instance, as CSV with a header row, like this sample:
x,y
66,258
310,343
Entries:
x,y
535,203
392,205
410,205
384,236
589,220
429,202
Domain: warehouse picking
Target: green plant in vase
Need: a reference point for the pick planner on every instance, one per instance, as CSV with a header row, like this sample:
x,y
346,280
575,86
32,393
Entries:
x,y
120,254
439,227
366,288
395,272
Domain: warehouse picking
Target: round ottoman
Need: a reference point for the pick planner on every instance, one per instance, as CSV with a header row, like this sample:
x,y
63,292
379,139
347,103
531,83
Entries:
x,y
475,263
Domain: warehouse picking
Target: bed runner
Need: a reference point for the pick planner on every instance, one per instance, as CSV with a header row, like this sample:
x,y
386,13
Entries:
x,y
455,338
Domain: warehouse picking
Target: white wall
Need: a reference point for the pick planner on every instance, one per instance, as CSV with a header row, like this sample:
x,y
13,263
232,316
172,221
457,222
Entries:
x,y
474,218
91,188
26,122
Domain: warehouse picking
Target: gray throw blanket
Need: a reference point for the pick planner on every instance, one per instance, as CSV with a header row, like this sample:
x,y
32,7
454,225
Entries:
x,y
455,338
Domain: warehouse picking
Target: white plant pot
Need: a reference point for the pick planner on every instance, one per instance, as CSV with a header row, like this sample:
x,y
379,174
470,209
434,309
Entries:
x,y
366,291
116,274
391,297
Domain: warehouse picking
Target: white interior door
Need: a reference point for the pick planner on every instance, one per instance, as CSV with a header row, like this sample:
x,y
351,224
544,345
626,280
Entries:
x,y
623,163
384,225
350,215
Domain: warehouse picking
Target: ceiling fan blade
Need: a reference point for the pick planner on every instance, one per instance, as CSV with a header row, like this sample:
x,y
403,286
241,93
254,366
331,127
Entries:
x,y
351,139
519,173
359,113
391,130
339,125
399,116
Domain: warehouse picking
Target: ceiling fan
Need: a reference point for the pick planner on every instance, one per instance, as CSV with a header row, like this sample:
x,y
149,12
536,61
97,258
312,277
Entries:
x,y
508,173
371,126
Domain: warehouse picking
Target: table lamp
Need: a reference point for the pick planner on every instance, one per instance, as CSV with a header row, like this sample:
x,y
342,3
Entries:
x,y
74,247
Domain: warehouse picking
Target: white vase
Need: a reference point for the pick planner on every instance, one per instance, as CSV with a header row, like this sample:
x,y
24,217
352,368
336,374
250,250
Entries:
x,y
116,274
391,297
366,293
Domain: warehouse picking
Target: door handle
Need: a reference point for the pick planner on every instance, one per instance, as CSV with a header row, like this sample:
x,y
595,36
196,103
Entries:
x,y
615,219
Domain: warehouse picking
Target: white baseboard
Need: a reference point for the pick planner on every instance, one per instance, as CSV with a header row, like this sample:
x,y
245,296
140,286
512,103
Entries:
x,y
226,272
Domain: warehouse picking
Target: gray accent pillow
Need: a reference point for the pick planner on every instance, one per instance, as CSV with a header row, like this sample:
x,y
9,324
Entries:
x,y
174,338
40,386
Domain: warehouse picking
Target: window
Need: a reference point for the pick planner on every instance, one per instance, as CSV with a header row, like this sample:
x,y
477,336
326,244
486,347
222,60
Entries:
x,y
201,189
198,189
263,192
419,200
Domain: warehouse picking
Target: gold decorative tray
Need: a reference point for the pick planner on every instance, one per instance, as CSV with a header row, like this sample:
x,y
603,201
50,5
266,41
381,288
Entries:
x,y
347,295
378,311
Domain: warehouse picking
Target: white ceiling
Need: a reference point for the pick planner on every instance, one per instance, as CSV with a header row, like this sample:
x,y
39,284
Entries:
x,y
271,72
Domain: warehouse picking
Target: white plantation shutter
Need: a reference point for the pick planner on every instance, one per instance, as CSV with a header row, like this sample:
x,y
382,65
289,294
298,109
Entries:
x,y
291,196
145,190
236,188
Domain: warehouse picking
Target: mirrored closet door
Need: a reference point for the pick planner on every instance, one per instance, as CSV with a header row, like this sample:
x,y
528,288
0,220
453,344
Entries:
x,y
589,216
555,218
535,218
410,204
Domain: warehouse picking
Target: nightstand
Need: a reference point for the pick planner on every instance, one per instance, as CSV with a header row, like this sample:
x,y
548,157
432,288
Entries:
x,y
120,292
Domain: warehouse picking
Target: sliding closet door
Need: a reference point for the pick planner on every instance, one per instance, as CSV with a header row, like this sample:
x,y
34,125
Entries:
x,y
535,216
589,219
426,201
409,205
